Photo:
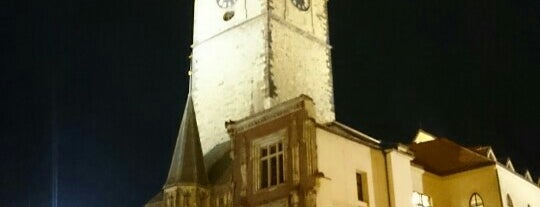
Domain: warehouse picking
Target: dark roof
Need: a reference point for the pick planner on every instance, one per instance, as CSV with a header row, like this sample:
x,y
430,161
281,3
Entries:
x,y
187,165
221,171
444,157
483,150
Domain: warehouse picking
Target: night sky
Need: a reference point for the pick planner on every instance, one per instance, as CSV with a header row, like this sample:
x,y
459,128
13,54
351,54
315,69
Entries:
x,y
107,79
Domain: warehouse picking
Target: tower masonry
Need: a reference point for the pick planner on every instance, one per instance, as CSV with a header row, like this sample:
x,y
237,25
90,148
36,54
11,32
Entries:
x,y
259,130
251,55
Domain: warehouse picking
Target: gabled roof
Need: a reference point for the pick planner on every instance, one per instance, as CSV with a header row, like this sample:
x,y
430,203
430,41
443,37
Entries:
x,y
187,165
221,172
444,157
483,150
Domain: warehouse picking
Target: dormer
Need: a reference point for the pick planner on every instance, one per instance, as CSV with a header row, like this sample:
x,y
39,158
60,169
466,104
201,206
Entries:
x,y
528,176
509,165
423,136
491,155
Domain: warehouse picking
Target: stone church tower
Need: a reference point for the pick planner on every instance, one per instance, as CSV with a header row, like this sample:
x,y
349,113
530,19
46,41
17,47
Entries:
x,y
250,55
258,129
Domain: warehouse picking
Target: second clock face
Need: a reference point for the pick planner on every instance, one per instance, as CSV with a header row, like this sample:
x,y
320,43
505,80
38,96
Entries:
x,y
301,4
225,3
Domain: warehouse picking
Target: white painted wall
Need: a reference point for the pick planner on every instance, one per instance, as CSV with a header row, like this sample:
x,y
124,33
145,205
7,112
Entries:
x,y
522,191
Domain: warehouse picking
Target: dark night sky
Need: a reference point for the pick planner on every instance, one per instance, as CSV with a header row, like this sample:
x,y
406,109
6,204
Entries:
x,y
114,75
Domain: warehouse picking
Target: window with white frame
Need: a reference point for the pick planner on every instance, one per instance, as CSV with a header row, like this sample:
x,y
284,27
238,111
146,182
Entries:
x,y
421,200
476,200
271,165
269,152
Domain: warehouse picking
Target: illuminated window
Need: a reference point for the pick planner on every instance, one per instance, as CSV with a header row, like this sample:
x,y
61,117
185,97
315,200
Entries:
x,y
476,201
361,190
271,165
422,200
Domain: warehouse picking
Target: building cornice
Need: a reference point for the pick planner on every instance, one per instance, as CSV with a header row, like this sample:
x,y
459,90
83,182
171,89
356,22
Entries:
x,y
286,108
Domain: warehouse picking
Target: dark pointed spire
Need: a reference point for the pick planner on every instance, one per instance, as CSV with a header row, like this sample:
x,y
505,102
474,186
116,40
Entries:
x,y
187,165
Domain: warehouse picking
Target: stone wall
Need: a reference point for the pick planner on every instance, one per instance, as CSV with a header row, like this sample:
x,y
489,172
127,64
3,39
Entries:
x,y
263,56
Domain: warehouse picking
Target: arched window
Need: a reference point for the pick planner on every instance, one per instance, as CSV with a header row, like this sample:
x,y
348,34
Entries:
x,y
476,200
509,202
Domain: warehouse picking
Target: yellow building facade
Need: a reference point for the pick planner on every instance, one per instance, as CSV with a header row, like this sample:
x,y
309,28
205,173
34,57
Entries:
x,y
259,128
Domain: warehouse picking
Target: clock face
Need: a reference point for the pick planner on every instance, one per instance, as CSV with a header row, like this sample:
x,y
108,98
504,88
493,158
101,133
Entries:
x,y
301,4
225,3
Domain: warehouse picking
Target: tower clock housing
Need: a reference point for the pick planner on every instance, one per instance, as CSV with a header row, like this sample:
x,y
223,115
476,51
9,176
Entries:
x,y
249,55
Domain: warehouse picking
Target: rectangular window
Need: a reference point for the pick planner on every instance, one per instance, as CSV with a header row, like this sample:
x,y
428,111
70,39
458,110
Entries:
x,y
271,165
360,179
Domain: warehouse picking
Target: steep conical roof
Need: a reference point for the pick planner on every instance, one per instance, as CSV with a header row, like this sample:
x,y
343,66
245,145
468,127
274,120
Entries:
x,y
187,165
